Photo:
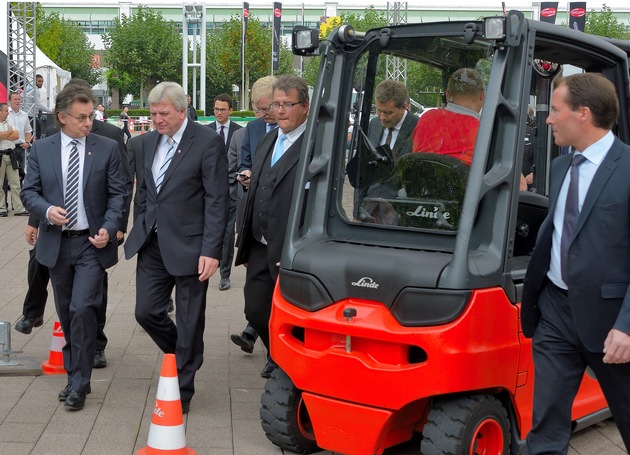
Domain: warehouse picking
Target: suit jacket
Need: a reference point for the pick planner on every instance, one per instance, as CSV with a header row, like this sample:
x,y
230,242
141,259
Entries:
x,y
403,142
106,130
135,151
103,189
233,127
279,204
598,271
190,211
254,131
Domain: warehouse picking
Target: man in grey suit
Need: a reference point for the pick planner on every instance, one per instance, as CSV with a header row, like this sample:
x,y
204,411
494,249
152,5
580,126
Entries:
x,y
393,128
178,234
267,206
75,187
576,298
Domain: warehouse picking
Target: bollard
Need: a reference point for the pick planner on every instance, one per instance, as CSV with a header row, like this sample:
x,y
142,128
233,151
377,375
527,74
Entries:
x,y
5,341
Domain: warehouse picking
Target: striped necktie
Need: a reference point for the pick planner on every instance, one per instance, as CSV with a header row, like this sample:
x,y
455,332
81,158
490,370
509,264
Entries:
x,y
71,200
165,164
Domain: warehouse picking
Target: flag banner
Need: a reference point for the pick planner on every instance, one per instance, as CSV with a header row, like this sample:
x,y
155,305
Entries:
x,y
577,15
275,50
548,12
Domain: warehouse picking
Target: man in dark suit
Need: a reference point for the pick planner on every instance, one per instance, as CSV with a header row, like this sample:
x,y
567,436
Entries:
x,y
269,197
262,94
75,187
178,234
38,275
223,108
192,113
393,127
576,298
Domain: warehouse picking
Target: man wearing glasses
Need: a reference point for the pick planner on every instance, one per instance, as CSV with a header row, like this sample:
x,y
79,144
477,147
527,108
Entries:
x,y
225,128
267,205
75,187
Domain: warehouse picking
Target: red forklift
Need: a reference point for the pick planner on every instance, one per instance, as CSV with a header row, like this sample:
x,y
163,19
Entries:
x,y
398,316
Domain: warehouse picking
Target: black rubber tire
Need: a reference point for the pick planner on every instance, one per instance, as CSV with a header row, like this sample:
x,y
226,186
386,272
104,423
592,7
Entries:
x,y
284,417
453,423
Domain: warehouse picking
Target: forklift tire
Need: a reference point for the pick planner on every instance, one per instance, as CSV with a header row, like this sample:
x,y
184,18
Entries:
x,y
284,416
472,425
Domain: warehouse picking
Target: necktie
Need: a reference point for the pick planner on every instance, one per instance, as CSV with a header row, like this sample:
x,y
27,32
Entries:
x,y
222,134
71,200
165,164
279,150
270,127
388,140
571,212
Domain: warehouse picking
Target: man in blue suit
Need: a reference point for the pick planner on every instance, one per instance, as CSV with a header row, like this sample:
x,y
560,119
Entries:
x,y
576,298
75,187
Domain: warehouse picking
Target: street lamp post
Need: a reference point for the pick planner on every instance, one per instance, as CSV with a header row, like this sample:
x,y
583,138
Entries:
x,y
194,15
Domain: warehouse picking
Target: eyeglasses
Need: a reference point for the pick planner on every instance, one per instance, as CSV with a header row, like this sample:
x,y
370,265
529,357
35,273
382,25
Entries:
x,y
262,109
220,109
285,106
82,118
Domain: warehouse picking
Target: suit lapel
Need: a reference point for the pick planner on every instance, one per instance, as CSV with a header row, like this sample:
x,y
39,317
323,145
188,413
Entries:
x,y
55,158
181,151
604,171
291,157
88,157
149,149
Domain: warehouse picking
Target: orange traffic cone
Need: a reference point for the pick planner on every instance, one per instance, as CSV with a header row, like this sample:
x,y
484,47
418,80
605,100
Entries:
x,y
167,434
54,364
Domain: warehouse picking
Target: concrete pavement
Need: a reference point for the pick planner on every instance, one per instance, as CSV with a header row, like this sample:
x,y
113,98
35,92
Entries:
x,y
223,419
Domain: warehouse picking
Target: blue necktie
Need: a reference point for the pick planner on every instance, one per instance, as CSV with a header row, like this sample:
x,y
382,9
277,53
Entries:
x,y
571,213
279,150
165,164
71,199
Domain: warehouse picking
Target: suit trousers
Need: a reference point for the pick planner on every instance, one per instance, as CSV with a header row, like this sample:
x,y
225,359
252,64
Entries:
x,y
227,255
560,360
260,282
13,178
77,282
37,294
154,285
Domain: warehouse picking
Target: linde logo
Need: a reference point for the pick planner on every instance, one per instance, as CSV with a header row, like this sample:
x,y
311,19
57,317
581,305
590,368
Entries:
x,y
548,12
366,282
422,212
578,12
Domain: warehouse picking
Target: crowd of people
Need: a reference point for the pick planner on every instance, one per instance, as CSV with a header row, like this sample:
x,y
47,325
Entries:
x,y
185,229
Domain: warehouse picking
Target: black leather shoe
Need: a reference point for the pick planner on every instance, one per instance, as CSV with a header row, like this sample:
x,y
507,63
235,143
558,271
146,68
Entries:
x,y
185,407
267,369
246,344
25,325
224,284
66,392
75,401
100,361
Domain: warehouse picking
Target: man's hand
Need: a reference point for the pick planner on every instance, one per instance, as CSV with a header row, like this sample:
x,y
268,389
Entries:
x,y
617,347
57,216
245,181
25,145
101,239
529,178
31,235
207,267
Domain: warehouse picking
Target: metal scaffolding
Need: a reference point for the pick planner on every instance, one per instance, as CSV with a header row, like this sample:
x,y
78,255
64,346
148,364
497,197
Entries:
x,y
396,68
21,53
194,20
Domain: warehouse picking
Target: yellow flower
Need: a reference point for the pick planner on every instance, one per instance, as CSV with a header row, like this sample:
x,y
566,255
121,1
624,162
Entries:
x,y
328,26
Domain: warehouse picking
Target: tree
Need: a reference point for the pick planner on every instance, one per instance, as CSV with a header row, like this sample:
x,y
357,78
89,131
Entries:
x,y
66,44
146,47
224,56
603,23
370,18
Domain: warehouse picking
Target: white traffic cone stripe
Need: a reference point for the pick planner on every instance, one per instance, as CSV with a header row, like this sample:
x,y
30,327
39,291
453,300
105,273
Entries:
x,y
168,389
167,438
57,343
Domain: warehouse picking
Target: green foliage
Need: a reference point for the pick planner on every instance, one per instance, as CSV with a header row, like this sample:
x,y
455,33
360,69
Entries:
x,y
145,47
604,23
371,18
66,45
223,56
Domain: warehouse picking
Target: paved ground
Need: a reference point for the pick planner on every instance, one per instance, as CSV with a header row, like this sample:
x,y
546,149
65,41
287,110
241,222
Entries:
x,y
224,413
